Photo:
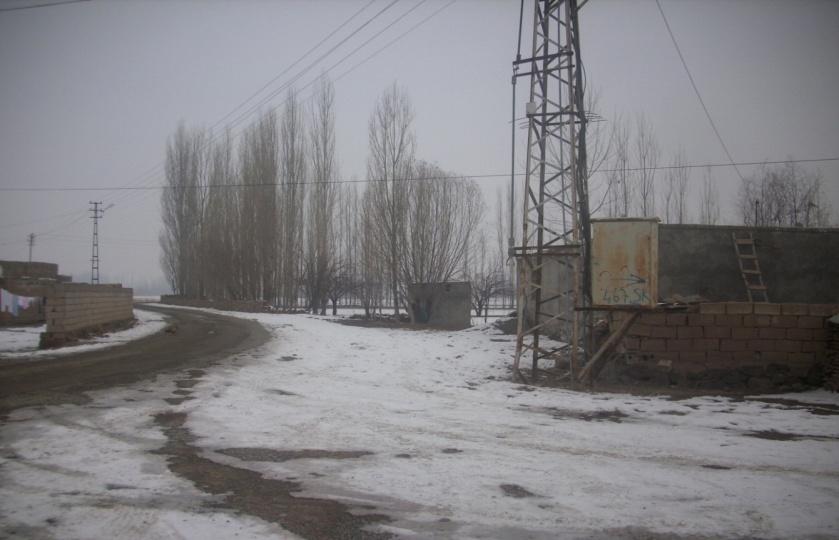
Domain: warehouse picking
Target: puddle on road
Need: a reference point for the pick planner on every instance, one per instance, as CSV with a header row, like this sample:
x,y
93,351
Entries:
x,y
772,435
516,491
277,456
821,409
614,415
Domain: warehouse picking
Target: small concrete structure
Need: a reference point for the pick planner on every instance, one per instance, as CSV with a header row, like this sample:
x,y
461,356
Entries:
x,y
444,305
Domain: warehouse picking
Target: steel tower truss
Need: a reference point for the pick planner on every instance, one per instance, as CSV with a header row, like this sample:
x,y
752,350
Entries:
x,y
553,273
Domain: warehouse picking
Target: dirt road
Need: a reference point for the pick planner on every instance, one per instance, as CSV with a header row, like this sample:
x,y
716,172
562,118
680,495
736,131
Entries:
x,y
193,339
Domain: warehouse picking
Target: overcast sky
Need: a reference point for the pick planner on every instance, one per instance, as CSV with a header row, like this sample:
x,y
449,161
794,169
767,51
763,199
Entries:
x,y
90,91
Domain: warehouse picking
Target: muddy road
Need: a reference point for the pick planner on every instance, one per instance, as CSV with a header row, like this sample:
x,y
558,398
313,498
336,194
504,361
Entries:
x,y
192,339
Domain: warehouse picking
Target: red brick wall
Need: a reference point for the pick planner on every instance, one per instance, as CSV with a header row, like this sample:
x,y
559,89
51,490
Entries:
x,y
709,344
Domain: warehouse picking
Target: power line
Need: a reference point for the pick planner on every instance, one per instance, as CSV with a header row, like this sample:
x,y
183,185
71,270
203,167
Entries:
x,y
152,173
287,69
696,90
155,171
406,179
394,40
34,6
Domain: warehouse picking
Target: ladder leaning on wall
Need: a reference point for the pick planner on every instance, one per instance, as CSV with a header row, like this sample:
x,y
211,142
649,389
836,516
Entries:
x,y
744,246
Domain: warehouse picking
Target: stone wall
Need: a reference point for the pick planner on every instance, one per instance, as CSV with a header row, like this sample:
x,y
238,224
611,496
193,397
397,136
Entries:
x,y
731,345
248,306
74,309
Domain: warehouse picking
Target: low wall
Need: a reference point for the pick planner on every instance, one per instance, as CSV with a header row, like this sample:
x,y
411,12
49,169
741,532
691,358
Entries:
x,y
74,309
247,306
731,345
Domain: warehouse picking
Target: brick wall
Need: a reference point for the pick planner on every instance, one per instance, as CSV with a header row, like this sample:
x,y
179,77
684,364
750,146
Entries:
x,y
76,308
728,345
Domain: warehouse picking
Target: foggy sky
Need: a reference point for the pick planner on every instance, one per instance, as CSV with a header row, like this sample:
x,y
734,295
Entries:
x,y
89,93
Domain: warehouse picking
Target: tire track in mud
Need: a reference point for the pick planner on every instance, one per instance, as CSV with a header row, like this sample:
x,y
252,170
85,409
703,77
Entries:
x,y
251,493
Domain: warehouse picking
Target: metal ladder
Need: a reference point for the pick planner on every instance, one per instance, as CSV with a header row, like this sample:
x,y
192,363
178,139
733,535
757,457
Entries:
x,y
744,246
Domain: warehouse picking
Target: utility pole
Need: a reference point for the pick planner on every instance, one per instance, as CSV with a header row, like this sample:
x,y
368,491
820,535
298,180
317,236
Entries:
x,y
31,240
95,213
553,258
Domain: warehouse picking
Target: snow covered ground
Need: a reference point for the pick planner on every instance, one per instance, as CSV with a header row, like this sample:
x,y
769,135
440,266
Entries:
x,y
455,449
22,342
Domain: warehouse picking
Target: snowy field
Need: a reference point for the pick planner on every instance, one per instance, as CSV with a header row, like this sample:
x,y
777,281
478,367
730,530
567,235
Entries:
x,y
448,448
21,342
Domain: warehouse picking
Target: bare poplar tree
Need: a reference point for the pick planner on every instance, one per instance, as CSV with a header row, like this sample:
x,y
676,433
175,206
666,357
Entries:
x,y
370,286
676,189
348,231
259,171
389,163
220,222
646,155
619,190
292,200
321,266
709,211
182,208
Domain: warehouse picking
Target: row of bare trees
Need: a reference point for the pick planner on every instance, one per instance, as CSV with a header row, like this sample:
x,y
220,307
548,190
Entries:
x,y
269,220
637,183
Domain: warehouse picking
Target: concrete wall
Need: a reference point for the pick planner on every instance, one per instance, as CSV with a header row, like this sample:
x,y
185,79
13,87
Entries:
x,y
731,345
446,305
21,269
76,308
798,265
248,306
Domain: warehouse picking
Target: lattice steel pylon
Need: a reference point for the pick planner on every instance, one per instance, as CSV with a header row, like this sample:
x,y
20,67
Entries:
x,y
554,273
96,212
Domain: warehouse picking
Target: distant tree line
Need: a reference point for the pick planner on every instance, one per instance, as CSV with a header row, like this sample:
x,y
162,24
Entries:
x,y
635,181
267,219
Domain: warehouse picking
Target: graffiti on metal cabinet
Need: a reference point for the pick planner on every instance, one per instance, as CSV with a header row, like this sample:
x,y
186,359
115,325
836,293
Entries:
x,y
626,288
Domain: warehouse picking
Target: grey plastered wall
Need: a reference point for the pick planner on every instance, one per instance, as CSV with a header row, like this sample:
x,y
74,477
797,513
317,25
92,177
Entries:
x,y
798,265
447,305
